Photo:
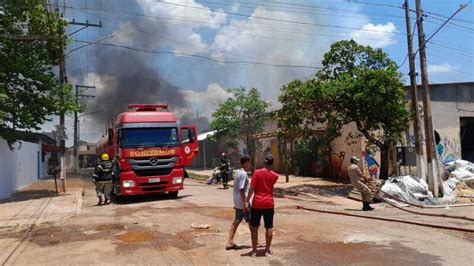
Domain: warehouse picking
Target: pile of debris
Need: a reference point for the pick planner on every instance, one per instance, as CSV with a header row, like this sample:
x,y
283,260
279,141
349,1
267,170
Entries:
x,y
460,181
461,170
409,189
457,188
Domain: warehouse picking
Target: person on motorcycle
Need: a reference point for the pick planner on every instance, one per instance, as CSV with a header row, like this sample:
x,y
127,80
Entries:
x,y
224,168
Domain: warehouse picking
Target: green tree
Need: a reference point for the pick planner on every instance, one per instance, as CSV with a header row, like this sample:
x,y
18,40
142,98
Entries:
x,y
299,115
242,115
358,84
292,119
31,40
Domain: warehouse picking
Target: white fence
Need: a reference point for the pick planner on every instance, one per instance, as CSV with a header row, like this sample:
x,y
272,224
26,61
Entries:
x,y
20,167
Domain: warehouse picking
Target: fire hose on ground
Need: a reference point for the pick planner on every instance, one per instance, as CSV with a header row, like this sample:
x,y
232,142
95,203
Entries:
x,y
398,220
389,220
416,205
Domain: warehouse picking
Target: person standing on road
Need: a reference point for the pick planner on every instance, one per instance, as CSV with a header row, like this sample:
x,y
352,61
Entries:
x,y
103,177
240,192
224,169
359,181
261,188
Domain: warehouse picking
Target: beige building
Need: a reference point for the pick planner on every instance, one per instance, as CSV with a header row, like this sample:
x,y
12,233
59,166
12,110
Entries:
x,y
453,122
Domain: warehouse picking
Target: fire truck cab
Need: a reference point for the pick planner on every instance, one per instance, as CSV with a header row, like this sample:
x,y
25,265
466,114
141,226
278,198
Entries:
x,y
149,149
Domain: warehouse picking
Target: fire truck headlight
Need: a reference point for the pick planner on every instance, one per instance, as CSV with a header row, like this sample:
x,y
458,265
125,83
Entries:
x,y
128,183
177,180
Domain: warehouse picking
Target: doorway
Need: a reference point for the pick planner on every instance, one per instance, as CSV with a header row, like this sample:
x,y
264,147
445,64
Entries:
x,y
467,138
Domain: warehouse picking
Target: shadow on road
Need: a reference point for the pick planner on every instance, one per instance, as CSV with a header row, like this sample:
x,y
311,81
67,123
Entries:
x,y
145,198
29,195
316,190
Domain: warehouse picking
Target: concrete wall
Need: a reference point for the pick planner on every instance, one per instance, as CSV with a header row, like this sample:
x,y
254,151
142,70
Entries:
x,y
446,121
20,167
343,148
8,169
27,164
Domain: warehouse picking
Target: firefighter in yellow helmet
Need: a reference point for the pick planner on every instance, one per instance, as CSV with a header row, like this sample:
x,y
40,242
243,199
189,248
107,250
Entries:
x,y
103,177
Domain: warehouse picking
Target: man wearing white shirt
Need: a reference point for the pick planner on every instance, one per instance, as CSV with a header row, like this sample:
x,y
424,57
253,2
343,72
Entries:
x,y
240,191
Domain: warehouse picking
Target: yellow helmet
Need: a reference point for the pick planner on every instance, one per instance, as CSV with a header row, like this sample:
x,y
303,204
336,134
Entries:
x,y
104,157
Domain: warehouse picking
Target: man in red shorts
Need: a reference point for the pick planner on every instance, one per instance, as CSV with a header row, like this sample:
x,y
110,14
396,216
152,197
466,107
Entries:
x,y
261,188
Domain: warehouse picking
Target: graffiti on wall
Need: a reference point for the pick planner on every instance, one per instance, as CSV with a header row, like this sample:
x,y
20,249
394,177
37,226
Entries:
x,y
411,140
371,163
448,150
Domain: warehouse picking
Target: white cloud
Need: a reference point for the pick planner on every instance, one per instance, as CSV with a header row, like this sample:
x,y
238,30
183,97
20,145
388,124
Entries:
x,y
183,9
272,43
235,7
377,36
440,68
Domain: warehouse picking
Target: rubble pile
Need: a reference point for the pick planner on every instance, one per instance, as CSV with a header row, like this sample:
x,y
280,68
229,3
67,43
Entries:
x,y
457,188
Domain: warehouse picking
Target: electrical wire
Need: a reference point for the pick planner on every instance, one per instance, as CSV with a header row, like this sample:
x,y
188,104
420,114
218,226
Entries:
x,y
203,57
273,19
161,37
394,6
197,21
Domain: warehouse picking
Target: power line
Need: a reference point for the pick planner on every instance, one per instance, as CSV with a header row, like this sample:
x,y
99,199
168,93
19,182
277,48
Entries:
x,y
431,36
445,17
465,52
452,68
302,9
454,25
395,6
369,12
446,22
373,4
202,57
259,28
161,37
238,27
274,19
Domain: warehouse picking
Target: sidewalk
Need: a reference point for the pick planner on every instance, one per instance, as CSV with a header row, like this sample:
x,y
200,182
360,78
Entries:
x,y
314,188
38,203
281,183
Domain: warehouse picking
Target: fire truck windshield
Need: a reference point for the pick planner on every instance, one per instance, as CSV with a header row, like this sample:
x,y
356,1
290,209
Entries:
x,y
148,137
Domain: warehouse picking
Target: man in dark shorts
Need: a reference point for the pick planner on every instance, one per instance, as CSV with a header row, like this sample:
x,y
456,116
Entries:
x,y
241,189
261,188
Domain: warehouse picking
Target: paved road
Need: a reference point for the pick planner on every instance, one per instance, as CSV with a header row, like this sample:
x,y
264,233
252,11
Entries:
x,y
157,230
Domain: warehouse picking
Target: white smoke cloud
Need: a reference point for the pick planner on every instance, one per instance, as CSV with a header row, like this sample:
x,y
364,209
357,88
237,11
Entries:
x,y
207,100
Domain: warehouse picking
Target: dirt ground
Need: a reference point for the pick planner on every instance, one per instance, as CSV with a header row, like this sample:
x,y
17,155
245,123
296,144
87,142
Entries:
x,y
157,230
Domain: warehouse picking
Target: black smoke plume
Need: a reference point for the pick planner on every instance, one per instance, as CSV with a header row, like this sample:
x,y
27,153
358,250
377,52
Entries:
x,y
131,76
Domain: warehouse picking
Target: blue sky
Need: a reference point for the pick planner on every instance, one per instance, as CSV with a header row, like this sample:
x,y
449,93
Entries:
x,y
211,45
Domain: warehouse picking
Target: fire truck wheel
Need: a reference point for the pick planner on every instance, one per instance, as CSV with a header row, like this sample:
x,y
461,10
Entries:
x,y
173,194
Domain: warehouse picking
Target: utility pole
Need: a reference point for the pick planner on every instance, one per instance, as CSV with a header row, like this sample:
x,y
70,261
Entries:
x,y
432,162
62,82
420,161
61,127
76,135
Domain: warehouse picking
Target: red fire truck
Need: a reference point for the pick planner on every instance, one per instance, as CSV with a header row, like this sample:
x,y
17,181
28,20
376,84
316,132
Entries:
x,y
149,149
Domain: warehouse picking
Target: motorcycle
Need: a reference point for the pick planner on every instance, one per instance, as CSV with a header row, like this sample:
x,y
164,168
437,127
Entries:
x,y
216,176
